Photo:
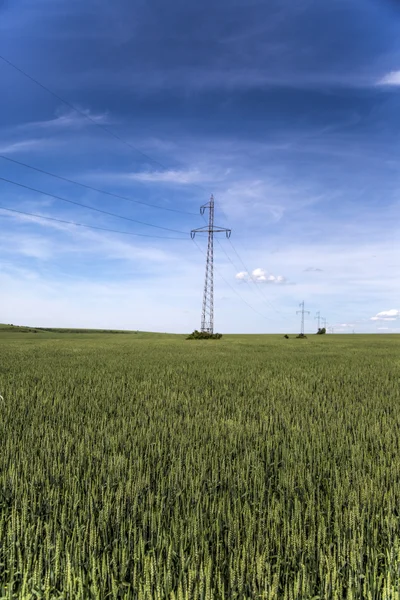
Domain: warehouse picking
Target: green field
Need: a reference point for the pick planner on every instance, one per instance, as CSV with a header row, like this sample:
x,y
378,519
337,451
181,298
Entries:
x,y
150,467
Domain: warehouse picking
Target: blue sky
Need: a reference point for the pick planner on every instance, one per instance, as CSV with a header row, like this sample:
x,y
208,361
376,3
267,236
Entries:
x,y
287,112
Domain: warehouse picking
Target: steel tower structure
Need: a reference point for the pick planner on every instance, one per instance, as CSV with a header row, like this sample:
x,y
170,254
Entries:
x,y
302,311
207,313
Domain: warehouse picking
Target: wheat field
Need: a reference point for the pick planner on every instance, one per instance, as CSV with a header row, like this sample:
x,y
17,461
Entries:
x,y
150,467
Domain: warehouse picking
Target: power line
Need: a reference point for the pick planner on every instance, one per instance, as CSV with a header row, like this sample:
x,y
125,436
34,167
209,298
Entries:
x,y
89,187
247,281
235,266
20,212
247,270
255,281
105,212
81,112
231,287
226,254
228,257
88,117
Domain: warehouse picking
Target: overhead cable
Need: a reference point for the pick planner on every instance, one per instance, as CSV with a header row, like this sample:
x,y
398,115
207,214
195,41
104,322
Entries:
x,y
254,280
88,117
231,287
94,189
246,280
21,212
99,210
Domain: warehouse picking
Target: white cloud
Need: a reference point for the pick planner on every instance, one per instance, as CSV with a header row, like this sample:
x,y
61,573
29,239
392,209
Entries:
x,y
387,315
242,276
382,319
392,78
260,276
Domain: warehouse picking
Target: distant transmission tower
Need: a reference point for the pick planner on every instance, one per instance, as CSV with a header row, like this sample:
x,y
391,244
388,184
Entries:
x,y
318,316
207,313
324,321
302,311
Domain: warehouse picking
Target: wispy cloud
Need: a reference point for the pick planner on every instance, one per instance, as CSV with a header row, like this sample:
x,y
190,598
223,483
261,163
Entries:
x,y
27,245
313,270
175,177
67,120
215,78
25,145
185,176
392,78
68,240
267,199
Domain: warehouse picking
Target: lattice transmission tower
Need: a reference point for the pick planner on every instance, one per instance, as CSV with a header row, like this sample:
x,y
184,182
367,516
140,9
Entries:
x,y
302,312
207,313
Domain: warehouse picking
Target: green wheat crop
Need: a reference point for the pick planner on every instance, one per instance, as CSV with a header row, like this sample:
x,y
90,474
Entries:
x,y
151,468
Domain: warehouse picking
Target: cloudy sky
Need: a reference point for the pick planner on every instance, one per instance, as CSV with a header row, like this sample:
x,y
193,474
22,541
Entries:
x,y
288,112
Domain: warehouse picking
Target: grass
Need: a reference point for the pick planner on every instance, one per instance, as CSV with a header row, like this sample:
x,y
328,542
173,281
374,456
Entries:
x,y
26,329
10,330
150,467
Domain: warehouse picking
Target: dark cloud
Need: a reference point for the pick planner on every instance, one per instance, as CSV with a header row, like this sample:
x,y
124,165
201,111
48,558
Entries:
x,y
273,64
275,40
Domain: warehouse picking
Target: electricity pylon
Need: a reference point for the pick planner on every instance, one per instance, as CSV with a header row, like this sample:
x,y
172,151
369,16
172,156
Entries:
x,y
324,321
207,313
318,316
302,311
